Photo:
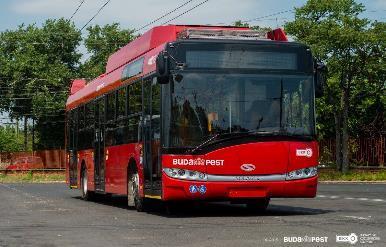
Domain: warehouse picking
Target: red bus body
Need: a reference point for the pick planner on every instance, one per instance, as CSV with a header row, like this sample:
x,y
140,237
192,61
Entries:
x,y
240,171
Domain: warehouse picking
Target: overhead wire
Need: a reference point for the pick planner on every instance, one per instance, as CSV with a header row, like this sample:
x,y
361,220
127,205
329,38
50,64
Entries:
x,y
163,16
97,13
265,16
76,11
187,11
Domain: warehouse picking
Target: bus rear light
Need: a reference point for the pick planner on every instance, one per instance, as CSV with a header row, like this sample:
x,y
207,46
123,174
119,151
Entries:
x,y
140,154
185,174
302,173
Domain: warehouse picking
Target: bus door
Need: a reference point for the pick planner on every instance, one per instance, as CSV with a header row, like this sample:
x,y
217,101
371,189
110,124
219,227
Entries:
x,y
99,145
151,137
72,147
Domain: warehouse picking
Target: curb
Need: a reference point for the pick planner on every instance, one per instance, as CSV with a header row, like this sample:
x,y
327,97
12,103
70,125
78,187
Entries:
x,y
352,182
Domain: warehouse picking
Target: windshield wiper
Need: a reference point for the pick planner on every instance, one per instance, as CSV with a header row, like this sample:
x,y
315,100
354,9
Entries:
x,y
205,142
279,133
226,136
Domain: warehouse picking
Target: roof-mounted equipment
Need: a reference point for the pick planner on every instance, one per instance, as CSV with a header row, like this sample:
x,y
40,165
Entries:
x,y
222,34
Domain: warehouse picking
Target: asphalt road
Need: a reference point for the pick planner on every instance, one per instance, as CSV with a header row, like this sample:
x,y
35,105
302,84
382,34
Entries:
x,y
53,215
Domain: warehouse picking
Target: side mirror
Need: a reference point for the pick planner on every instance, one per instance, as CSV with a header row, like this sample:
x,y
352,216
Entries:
x,y
320,78
162,64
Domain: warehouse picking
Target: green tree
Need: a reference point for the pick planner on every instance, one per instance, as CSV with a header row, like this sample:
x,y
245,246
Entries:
x,y
101,42
10,141
349,45
37,65
256,28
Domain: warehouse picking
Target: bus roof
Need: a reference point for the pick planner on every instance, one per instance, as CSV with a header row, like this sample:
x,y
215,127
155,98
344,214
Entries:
x,y
148,46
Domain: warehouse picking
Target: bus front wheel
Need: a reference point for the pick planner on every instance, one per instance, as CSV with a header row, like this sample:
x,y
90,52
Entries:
x,y
133,198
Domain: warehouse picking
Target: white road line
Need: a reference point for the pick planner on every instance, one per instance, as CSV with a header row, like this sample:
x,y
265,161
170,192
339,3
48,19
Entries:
x,y
357,217
352,198
377,200
363,199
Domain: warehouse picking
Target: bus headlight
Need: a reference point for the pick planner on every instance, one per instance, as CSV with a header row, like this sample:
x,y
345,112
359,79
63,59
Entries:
x,y
302,173
185,174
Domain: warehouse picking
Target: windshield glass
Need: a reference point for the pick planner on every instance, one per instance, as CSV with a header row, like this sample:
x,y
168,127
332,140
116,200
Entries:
x,y
208,104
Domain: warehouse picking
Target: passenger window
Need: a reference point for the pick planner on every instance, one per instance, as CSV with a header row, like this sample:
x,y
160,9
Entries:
x,y
132,69
81,117
111,106
135,98
89,111
121,102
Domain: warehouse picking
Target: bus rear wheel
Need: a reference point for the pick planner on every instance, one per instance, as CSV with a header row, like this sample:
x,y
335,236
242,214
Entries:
x,y
134,198
259,205
86,194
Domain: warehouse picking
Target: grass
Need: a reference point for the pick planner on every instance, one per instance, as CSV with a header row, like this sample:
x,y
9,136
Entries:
x,y
324,175
29,177
357,175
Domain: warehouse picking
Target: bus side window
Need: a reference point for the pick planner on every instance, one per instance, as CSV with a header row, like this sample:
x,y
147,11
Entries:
x,y
134,110
156,110
89,122
110,121
81,132
135,98
121,130
81,116
121,100
111,102
70,130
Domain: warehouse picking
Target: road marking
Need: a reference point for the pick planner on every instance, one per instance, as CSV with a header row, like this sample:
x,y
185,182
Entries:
x,y
357,217
352,198
377,200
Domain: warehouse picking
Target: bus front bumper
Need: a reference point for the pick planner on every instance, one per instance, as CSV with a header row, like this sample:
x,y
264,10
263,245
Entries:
x,y
176,189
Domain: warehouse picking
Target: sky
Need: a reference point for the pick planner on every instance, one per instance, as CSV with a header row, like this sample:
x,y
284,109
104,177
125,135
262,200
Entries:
x,y
134,14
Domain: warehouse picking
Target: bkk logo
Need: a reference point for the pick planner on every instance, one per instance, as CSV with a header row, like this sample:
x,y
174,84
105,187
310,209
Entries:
x,y
197,162
352,238
304,152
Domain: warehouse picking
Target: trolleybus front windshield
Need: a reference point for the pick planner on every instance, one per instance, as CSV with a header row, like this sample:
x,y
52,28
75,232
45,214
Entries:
x,y
207,104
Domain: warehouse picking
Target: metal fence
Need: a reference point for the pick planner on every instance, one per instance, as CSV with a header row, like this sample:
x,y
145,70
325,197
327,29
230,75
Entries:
x,y
363,151
43,159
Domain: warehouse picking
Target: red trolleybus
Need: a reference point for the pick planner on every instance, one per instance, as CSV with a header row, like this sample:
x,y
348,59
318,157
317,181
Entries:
x,y
197,113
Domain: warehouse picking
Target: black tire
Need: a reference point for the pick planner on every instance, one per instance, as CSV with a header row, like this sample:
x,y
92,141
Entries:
x,y
85,193
133,193
259,205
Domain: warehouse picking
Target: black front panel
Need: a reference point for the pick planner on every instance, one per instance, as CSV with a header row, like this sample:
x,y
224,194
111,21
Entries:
x,y
242,56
